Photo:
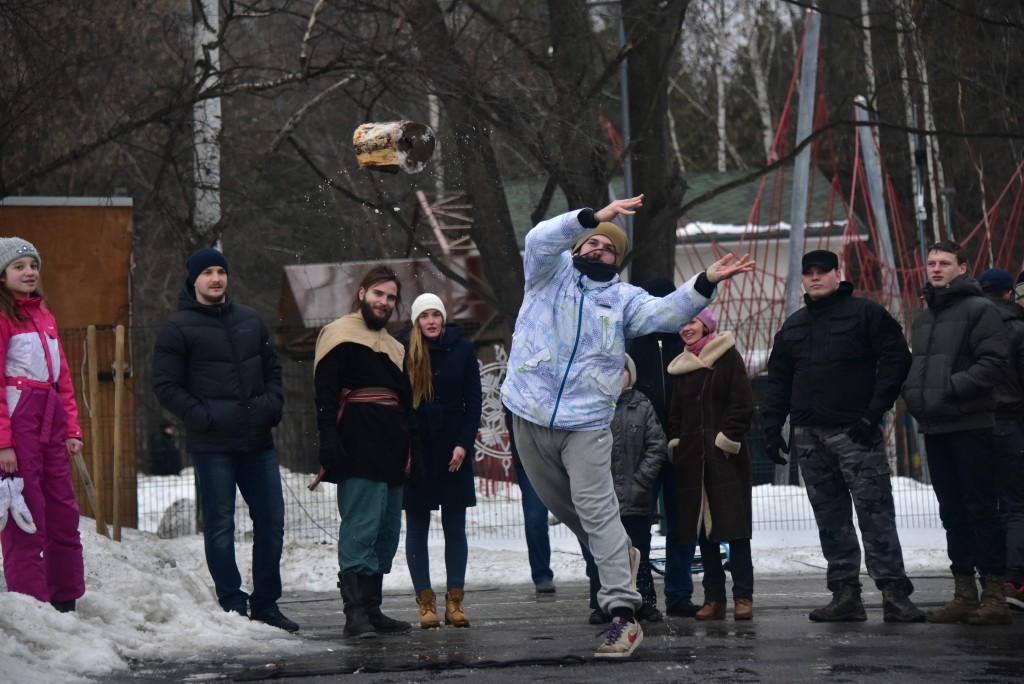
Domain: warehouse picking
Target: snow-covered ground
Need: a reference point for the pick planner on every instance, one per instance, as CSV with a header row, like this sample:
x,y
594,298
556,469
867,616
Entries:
x,y
151,599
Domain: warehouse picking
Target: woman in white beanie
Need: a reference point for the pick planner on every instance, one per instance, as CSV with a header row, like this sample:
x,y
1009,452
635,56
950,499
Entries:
x,y
446,395
39,434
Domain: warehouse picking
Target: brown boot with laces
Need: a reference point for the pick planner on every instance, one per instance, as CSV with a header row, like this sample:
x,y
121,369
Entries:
x,y
428,609
453,613
712,610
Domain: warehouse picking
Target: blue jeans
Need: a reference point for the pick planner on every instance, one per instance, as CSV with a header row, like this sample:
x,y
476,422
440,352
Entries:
x,y
535,517
678,556
258,478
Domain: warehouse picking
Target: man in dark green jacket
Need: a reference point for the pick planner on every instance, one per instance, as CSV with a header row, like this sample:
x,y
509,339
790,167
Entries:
x,y
215,368
960,352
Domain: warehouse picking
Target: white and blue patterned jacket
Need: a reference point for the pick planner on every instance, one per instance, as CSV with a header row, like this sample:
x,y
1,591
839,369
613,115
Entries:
x,y
568,348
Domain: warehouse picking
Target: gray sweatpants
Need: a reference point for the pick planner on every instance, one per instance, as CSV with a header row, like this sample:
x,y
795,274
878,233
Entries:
x,y
572,473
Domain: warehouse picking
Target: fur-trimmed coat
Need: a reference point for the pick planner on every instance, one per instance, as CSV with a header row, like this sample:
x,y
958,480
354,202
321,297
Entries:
x,y
708,422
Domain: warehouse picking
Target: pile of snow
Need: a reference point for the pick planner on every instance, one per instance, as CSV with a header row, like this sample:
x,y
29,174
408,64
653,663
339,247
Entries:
x,y
151,600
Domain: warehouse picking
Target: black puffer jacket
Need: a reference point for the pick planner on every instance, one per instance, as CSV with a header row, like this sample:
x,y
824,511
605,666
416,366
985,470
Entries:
x,y
639,449
837,360
215,368
1010,392
960,352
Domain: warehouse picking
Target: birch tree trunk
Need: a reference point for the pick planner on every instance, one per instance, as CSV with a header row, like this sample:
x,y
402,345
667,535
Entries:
x,y
869,61
719,42
757,71
206,123
936,178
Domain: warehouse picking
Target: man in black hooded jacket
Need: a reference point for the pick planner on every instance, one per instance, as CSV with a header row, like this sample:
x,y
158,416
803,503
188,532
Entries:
x,y
960,354
215,368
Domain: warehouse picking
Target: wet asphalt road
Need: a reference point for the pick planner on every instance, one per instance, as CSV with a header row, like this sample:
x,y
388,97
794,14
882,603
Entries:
x,y
519,636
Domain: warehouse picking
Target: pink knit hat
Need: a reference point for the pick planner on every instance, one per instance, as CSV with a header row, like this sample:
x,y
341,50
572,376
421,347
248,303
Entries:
x,y
707,317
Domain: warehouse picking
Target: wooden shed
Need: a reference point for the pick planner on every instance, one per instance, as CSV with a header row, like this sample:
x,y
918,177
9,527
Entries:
x,y
85,244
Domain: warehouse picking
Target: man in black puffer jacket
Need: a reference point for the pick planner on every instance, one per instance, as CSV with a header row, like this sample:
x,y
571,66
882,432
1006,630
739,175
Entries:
x,y
960,353
215,368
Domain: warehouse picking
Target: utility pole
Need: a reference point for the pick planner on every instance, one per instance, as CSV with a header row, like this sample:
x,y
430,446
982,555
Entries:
x,y
873,170
802,166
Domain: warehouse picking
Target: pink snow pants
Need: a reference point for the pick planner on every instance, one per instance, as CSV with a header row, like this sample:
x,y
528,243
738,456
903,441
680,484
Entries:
x,y
47,565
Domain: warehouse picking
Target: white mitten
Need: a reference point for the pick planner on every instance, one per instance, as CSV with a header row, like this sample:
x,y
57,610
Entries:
x,y
5,501
19,509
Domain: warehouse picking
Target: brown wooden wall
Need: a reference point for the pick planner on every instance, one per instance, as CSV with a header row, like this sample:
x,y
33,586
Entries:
x,y
85,245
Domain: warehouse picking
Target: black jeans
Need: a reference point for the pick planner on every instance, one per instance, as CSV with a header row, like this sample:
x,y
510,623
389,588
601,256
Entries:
x,y
964,470
1008,444
741,567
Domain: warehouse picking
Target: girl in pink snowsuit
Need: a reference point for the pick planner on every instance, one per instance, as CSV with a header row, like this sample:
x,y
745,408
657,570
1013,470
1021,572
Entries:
x,y
39,434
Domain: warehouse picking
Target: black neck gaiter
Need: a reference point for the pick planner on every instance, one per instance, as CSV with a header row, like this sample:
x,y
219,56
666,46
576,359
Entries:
x,y
595,270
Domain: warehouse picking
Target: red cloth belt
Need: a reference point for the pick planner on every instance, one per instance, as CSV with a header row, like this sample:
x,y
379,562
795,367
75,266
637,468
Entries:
x,y
366,395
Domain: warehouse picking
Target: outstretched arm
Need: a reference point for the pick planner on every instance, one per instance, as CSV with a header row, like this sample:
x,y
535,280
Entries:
x,y
623,207
723,269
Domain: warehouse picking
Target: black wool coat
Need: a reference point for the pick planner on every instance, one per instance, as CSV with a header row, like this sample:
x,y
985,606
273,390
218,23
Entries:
x,y
712,406
215,368
451,419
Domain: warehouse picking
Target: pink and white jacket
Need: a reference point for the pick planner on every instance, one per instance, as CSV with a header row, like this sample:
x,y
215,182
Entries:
x,y
33,357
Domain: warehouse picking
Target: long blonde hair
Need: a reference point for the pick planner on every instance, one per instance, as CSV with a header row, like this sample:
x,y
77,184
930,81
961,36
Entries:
x,y
417,364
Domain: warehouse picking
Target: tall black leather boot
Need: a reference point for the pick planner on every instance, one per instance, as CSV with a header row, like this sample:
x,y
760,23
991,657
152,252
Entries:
x,y
356,622
373,592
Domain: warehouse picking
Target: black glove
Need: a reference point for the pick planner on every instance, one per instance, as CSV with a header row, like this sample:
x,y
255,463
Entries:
x,y
774,443
864,432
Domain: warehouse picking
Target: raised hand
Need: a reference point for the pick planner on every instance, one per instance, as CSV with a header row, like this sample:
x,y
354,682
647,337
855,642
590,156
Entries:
x,y
723,269
619,206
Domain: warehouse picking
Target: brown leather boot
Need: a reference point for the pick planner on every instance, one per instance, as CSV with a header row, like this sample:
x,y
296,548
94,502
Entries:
x,y
965,602
743,609
993,609
453,614
712,610
428,609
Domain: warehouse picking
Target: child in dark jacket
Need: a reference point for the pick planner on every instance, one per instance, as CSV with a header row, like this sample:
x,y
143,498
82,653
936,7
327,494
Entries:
x,y
638,452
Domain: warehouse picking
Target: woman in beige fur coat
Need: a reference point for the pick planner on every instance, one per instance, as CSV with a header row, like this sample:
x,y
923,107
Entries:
x,y
707,428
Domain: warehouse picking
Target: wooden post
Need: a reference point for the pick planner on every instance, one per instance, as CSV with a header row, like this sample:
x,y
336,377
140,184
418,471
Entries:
x,y
95,437
118,419
394,145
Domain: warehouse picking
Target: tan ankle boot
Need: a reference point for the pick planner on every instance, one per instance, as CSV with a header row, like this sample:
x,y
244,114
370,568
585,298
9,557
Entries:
x,y
428,609
712,610
453,614
965,602
743,609
993,609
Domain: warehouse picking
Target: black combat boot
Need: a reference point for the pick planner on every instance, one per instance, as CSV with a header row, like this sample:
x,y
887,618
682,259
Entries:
x,y
846,605
64,606
896,603
373,592
356,622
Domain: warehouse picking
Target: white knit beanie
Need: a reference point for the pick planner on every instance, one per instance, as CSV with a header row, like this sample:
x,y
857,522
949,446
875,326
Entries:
x,y
427,301
13,248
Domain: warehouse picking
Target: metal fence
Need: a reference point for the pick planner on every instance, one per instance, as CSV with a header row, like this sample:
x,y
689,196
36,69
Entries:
x,y
166,503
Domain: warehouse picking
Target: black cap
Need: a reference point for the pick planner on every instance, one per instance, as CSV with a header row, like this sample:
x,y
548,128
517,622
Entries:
x,y
822,258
